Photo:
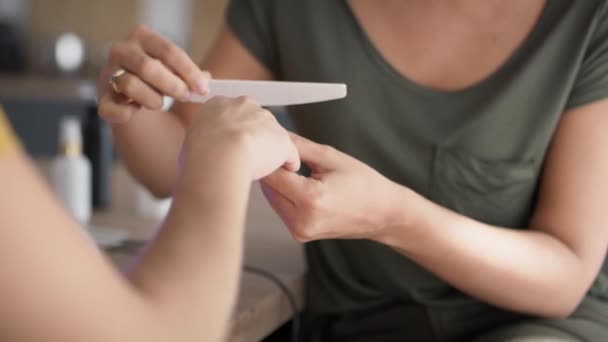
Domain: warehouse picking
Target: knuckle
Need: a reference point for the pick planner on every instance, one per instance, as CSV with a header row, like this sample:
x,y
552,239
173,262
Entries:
x,y
147,65
243,100
301,232
299,238
311,203
326,150
314,199
169,51
251,104
268,114
177,88
177,56
115,52
290,146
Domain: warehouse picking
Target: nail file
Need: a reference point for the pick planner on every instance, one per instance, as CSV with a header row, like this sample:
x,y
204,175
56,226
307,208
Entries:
x,y
274,93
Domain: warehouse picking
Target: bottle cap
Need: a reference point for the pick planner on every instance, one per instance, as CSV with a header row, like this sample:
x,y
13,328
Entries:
x,y
69,131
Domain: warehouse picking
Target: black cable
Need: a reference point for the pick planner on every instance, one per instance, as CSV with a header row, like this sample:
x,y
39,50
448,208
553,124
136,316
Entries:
x,y
295,322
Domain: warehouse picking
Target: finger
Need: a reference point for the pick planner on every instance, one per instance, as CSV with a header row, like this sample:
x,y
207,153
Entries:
x,y
116,109
290,184
293,158
175,58
293,162
150,70
281,205
317,156
289,214
134,88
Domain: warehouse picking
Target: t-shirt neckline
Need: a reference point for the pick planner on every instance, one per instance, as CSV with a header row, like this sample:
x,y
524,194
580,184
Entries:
x,y
497,75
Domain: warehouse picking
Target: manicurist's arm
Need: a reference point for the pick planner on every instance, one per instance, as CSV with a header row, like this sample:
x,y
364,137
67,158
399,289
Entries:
x,y
544,270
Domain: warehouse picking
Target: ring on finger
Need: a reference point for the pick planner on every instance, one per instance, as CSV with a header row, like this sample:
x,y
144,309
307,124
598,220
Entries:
x,y
115,75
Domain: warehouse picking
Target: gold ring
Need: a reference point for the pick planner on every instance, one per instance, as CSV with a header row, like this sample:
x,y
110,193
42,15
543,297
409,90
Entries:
x,y
115,75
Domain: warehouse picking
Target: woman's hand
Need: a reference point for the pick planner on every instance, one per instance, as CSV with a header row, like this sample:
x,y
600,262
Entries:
x,y
153,67
343,198
239,126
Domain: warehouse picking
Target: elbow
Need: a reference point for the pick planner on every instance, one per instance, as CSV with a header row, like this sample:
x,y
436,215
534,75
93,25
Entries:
x,y
158,192
560,310
564,291
564,302
156,188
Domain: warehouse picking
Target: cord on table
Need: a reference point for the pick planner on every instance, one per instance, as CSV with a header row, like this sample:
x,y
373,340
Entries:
x,y
295,323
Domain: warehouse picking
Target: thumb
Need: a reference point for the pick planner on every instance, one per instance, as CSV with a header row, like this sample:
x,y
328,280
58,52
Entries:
x,y
317,156
293,160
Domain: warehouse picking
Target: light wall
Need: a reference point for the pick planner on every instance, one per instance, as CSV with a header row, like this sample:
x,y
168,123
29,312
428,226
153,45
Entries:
x,y
100,22
208,19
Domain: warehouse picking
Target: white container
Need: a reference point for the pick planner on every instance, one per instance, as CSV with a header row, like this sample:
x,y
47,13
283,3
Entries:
x,y
148,206
70,172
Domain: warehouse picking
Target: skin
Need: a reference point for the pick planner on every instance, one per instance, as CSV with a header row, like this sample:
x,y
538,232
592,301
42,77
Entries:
x,y
133,125
560,253
183,287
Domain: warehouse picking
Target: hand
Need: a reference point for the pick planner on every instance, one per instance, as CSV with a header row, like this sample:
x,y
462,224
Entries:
x,y
154,67
240,125
343,198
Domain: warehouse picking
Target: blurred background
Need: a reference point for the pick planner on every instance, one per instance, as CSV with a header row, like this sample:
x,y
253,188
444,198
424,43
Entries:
x,y
51,53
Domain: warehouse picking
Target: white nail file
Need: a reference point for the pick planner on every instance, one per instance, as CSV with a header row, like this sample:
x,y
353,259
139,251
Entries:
x,y
274,93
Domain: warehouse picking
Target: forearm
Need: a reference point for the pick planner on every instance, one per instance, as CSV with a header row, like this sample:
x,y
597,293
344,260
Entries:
x,y
520,270
149,146
181,289
191,272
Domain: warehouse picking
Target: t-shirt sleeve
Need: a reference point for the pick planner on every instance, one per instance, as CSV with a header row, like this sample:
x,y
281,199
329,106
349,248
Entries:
x,y
592,80
252,21
8,142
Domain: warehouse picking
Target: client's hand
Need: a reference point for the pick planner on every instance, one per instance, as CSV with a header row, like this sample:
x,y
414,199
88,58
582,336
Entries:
x,y
243,127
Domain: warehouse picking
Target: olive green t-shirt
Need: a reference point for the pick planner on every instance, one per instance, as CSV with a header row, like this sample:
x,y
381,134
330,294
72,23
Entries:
x,y
478,151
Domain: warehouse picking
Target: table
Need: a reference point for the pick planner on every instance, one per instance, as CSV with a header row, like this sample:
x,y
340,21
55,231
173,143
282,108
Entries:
x,y
262,307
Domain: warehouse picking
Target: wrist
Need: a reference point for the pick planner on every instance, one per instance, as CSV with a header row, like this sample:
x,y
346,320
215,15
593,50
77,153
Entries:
x,y
213,187
403,218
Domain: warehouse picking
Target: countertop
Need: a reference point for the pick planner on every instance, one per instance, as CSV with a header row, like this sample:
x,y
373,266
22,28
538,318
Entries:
x,y
262,306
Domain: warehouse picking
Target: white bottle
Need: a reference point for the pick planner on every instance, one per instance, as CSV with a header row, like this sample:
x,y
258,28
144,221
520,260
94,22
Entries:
x,y
70,172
